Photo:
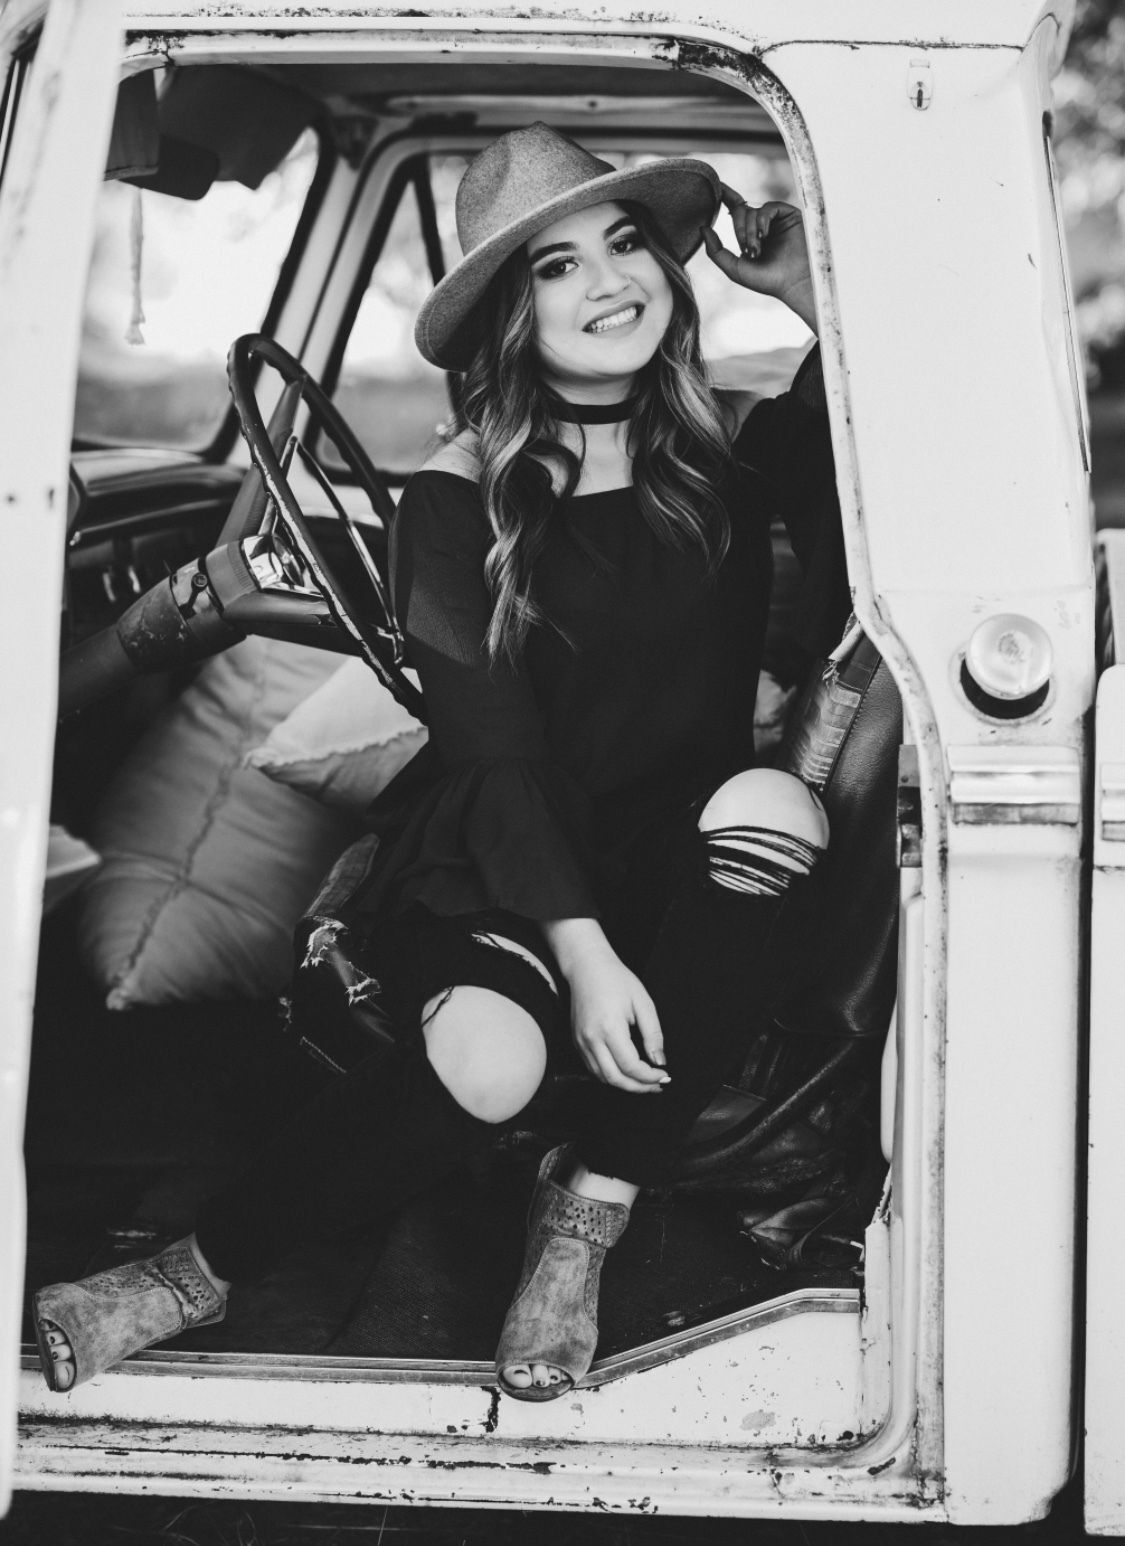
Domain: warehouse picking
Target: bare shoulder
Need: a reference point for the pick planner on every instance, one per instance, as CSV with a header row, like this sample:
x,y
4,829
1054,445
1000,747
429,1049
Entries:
x,y
735,405
459,456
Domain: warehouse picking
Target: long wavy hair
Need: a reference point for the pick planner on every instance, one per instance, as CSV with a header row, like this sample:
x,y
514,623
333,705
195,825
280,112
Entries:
x,y
679,442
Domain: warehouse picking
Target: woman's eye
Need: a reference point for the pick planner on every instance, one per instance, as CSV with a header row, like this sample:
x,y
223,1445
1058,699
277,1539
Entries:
x,y
628,242
555,269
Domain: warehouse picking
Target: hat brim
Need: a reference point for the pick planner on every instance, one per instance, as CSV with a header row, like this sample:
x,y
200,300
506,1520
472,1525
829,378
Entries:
x,y
680,193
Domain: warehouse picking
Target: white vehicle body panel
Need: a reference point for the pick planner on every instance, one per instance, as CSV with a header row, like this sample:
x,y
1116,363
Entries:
x,y
46,226
1104,1462
959,443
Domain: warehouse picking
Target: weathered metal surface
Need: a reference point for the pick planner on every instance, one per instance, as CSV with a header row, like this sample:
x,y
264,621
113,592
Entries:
x,y
963,24
1105,1238
46,220
1015,785
768,1418
785,1380
463,1469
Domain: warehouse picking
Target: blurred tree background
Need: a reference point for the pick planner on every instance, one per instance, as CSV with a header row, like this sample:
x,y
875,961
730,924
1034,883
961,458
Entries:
x,y
1090,146
1090,149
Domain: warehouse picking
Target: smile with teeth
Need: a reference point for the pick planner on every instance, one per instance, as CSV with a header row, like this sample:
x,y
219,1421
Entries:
x,y
617,319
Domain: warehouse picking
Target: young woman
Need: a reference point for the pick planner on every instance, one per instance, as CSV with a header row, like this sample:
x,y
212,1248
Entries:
x,y
583,579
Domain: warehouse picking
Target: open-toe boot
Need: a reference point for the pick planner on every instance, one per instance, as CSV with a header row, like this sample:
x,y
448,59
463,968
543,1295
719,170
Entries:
x,y
553,1318
112,1314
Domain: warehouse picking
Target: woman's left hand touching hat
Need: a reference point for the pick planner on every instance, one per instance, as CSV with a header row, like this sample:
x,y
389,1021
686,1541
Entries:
x,y
773,256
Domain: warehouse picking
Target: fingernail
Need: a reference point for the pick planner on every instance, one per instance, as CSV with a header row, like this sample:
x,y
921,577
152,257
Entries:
x,y
666,1078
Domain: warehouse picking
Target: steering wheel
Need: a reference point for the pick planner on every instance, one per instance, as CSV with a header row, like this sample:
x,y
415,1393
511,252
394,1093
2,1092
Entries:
x,y
268,574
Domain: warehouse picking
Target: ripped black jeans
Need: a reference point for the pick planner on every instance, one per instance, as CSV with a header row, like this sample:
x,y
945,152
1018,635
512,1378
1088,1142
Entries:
x,y
693,921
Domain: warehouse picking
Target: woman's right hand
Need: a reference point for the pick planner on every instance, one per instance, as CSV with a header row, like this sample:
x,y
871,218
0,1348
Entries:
x,y
607,1000
772,256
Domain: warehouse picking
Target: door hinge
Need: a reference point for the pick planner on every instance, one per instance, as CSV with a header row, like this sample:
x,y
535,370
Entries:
x,y
1015,785
909,845
1111,801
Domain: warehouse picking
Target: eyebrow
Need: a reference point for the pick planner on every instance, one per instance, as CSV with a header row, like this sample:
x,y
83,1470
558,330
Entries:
x,y
543,252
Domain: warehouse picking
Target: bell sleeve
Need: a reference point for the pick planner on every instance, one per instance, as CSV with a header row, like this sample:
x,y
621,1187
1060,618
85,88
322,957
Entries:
x,y
786,445
501,823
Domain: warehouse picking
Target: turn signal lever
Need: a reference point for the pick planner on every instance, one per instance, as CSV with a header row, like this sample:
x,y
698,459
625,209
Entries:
x,y
254,585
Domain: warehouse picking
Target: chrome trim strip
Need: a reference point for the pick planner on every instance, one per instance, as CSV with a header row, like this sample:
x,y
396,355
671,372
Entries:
x,y
1015,785
831,1301
1111,801
440,1371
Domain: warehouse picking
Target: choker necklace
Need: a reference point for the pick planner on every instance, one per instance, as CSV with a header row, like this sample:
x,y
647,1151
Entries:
x,y
593,413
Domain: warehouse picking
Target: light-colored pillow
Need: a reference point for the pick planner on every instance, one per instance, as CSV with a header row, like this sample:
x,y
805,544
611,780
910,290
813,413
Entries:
x,y
343,743
207,867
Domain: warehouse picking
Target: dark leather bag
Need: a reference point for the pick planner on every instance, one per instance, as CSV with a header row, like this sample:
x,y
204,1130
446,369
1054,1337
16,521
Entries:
x,y
835,945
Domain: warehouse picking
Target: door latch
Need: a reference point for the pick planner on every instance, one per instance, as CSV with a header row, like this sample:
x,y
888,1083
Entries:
x,y
919,84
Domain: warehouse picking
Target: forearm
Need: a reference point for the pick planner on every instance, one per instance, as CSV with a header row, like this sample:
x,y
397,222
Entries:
x,y
609,1005
574,942
800,299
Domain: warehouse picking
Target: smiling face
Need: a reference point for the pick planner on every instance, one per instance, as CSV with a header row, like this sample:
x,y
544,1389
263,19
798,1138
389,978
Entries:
x,y
602,303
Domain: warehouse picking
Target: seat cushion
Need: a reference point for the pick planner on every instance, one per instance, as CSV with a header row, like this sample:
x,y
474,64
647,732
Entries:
x,y
343,743
207,865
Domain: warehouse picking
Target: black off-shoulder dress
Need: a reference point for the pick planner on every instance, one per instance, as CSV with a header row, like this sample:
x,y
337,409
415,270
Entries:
x,y
542,779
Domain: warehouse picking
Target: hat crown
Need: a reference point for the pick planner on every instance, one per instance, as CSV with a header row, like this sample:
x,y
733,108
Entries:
x,y
517,173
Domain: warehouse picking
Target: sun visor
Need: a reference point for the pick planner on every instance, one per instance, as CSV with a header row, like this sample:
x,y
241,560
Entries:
x,y
134,142
141,154
248,122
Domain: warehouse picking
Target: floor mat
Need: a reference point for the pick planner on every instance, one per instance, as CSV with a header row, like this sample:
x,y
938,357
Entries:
x,y
440,1288
434,1282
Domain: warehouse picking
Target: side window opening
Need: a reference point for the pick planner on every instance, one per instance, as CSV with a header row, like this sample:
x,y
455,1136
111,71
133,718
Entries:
x,y
397,402
10,103
172,282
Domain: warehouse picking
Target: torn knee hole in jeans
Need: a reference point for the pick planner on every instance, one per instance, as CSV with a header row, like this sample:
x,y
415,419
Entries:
x,y
439,1002
499,942
757,860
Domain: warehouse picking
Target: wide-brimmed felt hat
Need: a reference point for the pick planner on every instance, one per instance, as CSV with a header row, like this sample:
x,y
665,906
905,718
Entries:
x,y
528,179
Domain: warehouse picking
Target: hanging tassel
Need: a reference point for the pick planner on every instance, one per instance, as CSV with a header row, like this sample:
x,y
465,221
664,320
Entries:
x,y
133,334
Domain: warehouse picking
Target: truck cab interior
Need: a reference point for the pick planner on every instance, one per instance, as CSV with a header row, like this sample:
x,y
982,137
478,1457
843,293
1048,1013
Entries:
x,y
206,783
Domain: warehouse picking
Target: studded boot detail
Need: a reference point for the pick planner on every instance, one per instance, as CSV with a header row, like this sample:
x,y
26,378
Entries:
x,y
112,1314
553,1318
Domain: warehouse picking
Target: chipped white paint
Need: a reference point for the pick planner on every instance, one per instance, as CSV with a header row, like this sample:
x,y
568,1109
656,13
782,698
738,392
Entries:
x,y
46,224
1105,1244
800,1368
942,23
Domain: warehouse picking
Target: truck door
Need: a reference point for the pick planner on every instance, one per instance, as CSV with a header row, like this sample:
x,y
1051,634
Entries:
x,y
58,72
